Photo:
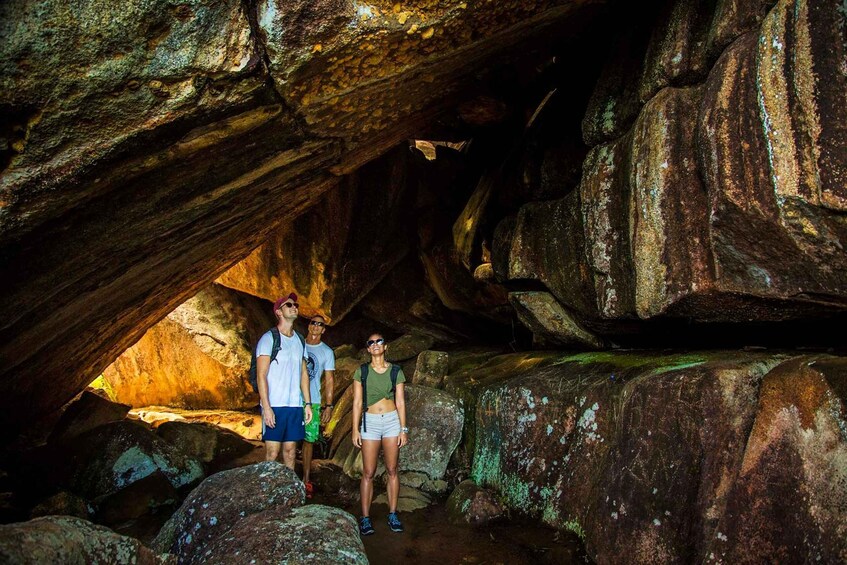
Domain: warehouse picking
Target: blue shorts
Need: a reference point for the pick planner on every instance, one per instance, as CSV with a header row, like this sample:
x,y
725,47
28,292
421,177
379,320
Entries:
x,y
289,425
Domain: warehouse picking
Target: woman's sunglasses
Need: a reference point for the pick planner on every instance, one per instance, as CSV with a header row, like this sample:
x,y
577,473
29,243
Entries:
x,y
379,341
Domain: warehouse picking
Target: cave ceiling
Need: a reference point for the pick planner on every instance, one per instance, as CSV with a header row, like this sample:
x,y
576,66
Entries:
x,y
149,146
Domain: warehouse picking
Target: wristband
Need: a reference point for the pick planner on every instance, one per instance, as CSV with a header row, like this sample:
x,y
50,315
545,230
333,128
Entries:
x,y
327,406
404,430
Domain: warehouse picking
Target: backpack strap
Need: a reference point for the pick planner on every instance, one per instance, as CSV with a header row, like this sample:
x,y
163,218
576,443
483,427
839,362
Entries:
x,y
395,370
277,344
302,339
364,376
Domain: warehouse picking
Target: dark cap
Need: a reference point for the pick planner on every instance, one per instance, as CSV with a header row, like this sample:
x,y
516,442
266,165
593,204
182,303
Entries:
x,y
280,301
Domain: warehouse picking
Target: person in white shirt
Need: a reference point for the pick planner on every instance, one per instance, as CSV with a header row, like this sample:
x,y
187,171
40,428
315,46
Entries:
x,y
283,385
320,363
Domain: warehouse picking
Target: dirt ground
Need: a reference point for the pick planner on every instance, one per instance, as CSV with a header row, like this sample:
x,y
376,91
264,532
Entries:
x,y
428,537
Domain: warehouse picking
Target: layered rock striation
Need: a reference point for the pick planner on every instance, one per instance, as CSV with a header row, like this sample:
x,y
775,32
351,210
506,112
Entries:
x,y
711,190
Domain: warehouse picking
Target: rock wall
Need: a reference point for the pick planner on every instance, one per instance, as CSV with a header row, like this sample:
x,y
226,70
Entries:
x,y
713,190
729,457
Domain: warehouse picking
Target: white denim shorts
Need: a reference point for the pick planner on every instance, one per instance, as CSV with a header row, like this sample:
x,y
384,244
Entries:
x,y
381,425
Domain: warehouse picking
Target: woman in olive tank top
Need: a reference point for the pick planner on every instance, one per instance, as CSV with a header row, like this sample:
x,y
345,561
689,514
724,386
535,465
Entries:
x,y
382,425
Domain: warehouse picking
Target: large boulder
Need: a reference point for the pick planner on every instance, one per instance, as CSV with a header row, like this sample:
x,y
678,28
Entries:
x,y
85,413
310,534
112,457
67,539
197,357
669,211
469,504
736,455
222,500
407,347
547,245
435,419
605,197
430,369
777,209
204,442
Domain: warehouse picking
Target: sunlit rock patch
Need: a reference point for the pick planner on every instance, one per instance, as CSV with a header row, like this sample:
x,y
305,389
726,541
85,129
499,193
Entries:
x,y
196,358
247,425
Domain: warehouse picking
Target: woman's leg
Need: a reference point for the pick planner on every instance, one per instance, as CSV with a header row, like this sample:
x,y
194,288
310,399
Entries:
x,y
370,452
391,454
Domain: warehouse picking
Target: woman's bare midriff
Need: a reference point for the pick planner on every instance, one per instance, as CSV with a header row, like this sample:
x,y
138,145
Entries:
x,y
382,407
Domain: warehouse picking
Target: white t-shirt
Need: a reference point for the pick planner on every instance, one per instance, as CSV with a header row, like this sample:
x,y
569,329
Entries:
x,y
320,358
284,373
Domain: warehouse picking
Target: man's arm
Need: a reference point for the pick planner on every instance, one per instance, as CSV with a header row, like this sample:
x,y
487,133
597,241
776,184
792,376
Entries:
x,y
329,379
304,389
400,402
357,413
263,365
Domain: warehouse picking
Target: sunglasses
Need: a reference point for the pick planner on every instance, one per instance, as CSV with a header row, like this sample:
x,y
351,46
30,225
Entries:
x,y
379,341
291,305
316,323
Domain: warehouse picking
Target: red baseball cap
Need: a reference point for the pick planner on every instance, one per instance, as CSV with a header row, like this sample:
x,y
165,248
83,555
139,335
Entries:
x,y
280,301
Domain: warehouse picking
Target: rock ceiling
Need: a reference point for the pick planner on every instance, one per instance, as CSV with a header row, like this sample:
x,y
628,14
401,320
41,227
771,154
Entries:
x,y
150,147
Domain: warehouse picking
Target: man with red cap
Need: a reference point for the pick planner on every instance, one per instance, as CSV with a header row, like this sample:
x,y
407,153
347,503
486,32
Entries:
x,y
283,385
